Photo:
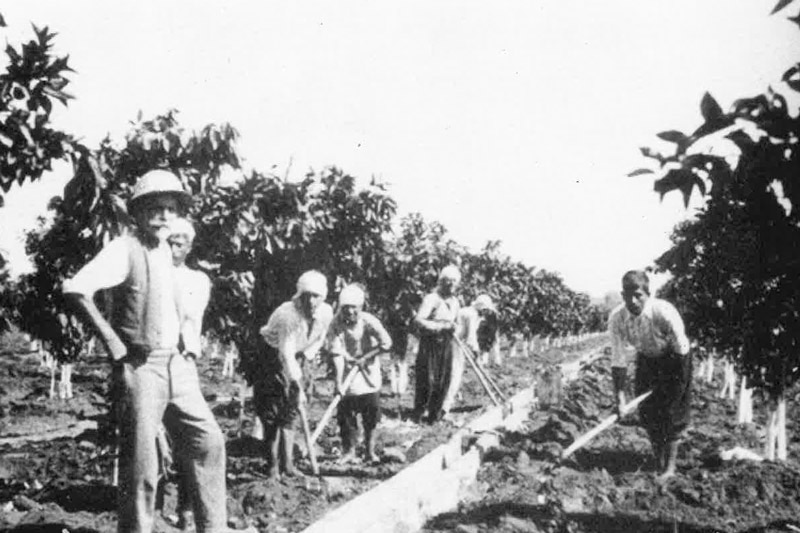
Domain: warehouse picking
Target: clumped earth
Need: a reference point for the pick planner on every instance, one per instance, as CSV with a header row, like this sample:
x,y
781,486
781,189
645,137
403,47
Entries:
x,y
56,456
610,485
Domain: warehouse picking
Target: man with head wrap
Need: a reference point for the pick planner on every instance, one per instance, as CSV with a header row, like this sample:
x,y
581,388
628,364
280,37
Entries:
x,y
294,334
436,322
353,334
477,328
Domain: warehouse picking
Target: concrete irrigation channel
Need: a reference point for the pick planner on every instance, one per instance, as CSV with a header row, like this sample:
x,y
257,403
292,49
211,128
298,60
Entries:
x,y
441,479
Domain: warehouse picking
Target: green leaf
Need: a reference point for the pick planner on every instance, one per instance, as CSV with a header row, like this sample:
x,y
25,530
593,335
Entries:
x,y
710,109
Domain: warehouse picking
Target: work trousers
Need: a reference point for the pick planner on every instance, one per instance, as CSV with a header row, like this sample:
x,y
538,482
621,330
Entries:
x,y
164,386
437,373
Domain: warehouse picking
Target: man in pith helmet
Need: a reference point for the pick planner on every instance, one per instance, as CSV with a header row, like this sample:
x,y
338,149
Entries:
x,y
153,379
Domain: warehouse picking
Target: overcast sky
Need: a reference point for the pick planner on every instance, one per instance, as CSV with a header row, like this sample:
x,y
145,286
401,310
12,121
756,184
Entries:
x,y
515,121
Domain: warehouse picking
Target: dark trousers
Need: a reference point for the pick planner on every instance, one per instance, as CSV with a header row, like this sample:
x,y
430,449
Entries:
x,y
666,413
433,372
366,405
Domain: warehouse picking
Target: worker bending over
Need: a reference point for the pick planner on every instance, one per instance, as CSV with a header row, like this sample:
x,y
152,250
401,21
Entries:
x,y
663,364
353,334
294,334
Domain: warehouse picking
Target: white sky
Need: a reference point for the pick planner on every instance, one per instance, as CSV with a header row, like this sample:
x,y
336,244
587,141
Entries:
x,y
503,120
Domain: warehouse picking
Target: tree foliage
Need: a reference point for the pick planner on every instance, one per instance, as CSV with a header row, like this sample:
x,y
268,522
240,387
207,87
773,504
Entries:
x,y
256,233
93,210
735,267
33,79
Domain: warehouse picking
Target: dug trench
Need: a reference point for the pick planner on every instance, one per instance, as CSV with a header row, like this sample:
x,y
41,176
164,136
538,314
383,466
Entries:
x,y
56,457
610,484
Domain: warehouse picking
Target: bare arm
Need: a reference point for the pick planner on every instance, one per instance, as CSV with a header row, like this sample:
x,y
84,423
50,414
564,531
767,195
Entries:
x,y
425,310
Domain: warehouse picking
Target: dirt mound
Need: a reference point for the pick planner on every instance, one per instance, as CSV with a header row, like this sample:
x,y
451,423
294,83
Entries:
x,y
65,482
611,486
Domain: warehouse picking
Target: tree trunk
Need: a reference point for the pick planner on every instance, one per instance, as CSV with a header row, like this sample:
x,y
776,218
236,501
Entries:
x,y
52,366
775,446
745,411
728,381
710,367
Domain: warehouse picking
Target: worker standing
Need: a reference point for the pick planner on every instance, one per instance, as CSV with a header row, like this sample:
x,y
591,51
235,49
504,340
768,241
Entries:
x,y
154,381
436,323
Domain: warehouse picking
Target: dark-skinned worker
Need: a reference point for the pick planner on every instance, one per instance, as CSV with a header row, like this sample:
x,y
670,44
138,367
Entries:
x,y
294,334
663,364
354,333
153,379
438,350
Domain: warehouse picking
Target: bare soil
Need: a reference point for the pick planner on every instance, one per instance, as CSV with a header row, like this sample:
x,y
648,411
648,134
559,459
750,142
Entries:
x,y
611,486
56,456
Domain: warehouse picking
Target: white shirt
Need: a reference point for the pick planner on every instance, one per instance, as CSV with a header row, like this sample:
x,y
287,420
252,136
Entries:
x,y
658,329
194,290
467,327
289,331
111,266
356,340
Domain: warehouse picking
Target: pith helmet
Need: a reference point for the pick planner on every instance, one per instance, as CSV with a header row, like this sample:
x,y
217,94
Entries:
x,y
159,182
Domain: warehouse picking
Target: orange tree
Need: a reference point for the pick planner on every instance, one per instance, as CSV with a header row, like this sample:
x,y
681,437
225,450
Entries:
x,y
33,80
93,210
738,263
264,231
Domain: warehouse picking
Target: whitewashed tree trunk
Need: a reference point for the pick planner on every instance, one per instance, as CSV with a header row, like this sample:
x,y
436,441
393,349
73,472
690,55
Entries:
x,y
732,380
65,383
258,429
710,367
775,445
745,411
701,369
229,363
53,367
728,388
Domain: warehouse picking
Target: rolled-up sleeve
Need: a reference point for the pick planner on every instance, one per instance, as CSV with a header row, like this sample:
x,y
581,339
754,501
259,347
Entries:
x,y
107,269
676,331
383,337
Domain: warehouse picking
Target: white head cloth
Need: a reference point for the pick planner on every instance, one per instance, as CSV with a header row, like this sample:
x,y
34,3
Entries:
x,y
484,301
450,272
352,295
314,282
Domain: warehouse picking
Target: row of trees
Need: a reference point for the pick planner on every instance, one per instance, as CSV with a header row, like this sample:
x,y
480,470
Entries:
x,y
256,232
735,267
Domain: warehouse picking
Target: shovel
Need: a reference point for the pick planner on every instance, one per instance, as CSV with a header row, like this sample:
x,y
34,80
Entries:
x,y
584,439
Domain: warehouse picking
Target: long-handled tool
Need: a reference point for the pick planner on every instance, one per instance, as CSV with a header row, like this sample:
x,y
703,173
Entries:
x,y
602,426
351,375
309,444
489,379
481,377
